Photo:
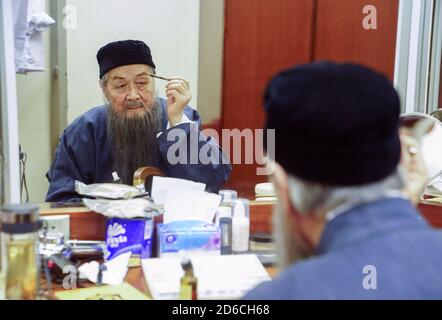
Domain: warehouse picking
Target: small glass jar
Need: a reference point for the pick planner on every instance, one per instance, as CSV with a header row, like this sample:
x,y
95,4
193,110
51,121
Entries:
x,y
20,258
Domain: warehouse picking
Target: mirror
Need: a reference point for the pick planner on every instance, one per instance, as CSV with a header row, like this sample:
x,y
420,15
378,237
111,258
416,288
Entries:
x,y
427,130
188,39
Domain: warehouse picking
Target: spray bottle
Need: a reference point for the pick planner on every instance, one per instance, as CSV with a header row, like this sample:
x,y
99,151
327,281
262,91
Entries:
x,y
240,226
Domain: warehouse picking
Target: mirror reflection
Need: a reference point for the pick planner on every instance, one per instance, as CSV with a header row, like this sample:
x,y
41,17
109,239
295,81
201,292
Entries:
x,y
427,130
226,66
137,108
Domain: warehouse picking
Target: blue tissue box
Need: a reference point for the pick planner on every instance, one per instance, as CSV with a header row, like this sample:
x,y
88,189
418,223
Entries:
x,y
191,236
123,235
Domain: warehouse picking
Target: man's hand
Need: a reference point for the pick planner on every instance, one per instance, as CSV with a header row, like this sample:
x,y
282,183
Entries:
x,y
178,96
416,175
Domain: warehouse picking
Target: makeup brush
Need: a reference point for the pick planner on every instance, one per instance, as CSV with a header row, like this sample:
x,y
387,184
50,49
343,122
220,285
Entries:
x,y
159,77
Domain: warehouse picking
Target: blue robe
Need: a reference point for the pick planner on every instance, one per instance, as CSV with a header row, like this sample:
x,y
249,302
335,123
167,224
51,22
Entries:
x,y
84,154
380,250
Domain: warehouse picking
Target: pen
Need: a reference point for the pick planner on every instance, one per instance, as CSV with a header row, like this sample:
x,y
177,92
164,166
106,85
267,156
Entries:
x,y
159,77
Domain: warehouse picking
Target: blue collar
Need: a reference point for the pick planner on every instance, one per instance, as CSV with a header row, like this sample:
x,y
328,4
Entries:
x,y
369,220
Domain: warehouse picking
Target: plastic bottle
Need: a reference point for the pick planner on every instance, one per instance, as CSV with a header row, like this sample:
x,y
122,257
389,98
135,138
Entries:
x,y
225,224
222,212
228,197
240,226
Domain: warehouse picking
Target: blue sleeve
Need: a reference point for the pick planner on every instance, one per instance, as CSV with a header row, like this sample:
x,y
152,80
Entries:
x,y
188,154
74,159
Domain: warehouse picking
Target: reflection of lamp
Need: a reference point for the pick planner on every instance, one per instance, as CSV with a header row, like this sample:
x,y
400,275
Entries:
x,y
427,130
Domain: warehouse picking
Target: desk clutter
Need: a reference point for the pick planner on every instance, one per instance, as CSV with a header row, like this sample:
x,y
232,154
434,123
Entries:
x,y
219,277
177,222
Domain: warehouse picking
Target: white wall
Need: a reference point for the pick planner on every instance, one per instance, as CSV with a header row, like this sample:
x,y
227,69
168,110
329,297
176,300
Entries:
x,y
211,43
170,28
34,100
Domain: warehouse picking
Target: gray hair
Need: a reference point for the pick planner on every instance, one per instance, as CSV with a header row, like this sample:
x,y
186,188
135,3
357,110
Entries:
x,y
309,196
103,80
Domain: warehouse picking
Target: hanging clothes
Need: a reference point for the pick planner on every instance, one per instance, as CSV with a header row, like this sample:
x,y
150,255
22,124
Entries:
x,y
30,21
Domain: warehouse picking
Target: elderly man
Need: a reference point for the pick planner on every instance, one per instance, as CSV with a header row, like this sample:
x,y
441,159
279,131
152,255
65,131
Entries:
x,y
134,129
342,209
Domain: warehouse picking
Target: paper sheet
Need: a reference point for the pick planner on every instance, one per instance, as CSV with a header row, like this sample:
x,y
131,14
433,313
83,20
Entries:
x,y
163,185
190,205
115,273
219,277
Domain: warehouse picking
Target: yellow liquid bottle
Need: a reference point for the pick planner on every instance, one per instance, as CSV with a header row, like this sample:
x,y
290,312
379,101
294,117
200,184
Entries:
x,y
188,283
22,273
19,250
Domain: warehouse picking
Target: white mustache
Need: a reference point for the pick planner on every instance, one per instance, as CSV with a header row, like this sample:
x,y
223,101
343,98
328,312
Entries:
x,y
134,104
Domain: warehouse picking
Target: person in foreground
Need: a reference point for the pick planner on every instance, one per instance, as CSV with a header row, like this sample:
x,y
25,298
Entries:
x,y
134,129
344,223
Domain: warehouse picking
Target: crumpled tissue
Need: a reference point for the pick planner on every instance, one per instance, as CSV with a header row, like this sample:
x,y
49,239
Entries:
x,y
114,273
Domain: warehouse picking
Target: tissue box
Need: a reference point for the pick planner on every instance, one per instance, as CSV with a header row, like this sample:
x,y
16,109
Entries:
x,y
123,235
191,236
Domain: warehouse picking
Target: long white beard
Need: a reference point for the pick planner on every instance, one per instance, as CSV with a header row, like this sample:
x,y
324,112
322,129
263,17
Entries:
x,y
134,142
289,250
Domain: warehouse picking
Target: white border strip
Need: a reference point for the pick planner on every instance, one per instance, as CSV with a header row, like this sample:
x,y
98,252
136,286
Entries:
x,y
412,65
411,101
10,139
402,48
436,56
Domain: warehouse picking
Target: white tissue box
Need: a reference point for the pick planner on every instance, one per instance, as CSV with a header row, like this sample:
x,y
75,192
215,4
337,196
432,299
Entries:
x,y
191,236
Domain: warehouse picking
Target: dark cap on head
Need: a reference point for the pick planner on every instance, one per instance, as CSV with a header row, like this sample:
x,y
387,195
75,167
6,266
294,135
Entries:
x,y
120,53
335,124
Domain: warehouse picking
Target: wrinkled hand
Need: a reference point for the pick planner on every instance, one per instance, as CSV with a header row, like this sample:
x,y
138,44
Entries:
x,y
415,170
178,96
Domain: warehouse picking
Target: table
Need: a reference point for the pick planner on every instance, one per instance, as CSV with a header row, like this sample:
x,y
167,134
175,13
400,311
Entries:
x,y
134,276
87,225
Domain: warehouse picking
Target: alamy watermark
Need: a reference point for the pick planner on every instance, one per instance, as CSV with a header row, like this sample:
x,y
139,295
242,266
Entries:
x,y
238,147
370,280
370,20
70,17
70,281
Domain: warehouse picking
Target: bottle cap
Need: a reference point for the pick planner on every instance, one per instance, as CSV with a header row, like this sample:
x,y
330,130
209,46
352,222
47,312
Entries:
x,y
265,189
186,264
228,195
20,218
